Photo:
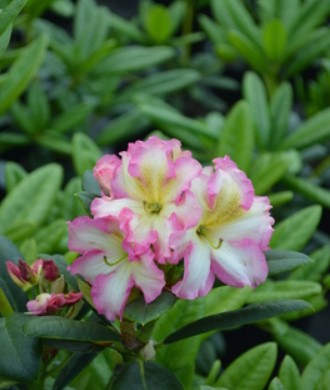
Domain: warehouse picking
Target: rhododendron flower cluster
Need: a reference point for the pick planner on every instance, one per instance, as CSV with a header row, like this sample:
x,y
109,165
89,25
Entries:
x,y
159,210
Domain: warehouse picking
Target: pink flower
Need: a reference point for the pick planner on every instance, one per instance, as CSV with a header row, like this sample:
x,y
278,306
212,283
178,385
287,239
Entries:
x,y
49,303
148,184
228,242
26,276
110,265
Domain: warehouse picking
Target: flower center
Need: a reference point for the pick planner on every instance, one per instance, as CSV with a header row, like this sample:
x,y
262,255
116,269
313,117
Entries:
x,y
152,208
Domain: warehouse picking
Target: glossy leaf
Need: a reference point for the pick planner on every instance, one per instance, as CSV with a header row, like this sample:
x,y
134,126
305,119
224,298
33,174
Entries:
x,y
14,173
237,136
23,354
314,270
255,94
295,231
85,153
14,294
162,83
276,384
76,363
228,320
5,307
21,72
267,170
143,313
289,374
280,110
309,190
316,367
301,346
125,126
283,261
40,187
157,22
274,36
129,59
52,327
251,370
284,289
9,13
145,376
312,130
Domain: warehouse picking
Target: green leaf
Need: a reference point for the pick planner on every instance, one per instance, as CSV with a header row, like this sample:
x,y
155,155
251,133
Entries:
x,y
157,23
316,367
53,141
49,237
90,28
284,289
228,320
314,46
145,376
85,153
276,384
161,83
59,328
143,313
311,131
9,140
22,71
5,307
14,294
240,17
9,13
314,270
301,346
39,111
279,198
274,37
308,189
267,170
71,118
247,49
5,39
251,370
255,94
237,136
280,109
76,363
126,126
126,27
23,354
289,374
40,188
283,261
20,231
130,59
295,231
14,173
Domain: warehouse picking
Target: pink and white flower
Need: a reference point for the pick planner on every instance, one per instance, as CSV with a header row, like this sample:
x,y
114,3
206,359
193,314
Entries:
x,y
229,240
110,264
150,181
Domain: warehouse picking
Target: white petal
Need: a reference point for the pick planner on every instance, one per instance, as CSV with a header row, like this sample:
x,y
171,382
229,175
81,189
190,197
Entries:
x,y
110,292
240,263
198,278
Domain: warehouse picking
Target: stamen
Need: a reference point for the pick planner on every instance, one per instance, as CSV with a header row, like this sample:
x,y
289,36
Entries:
x,y
202,232
111,264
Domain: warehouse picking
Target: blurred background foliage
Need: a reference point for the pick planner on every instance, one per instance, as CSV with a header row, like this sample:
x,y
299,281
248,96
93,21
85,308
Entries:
x,y
246,78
